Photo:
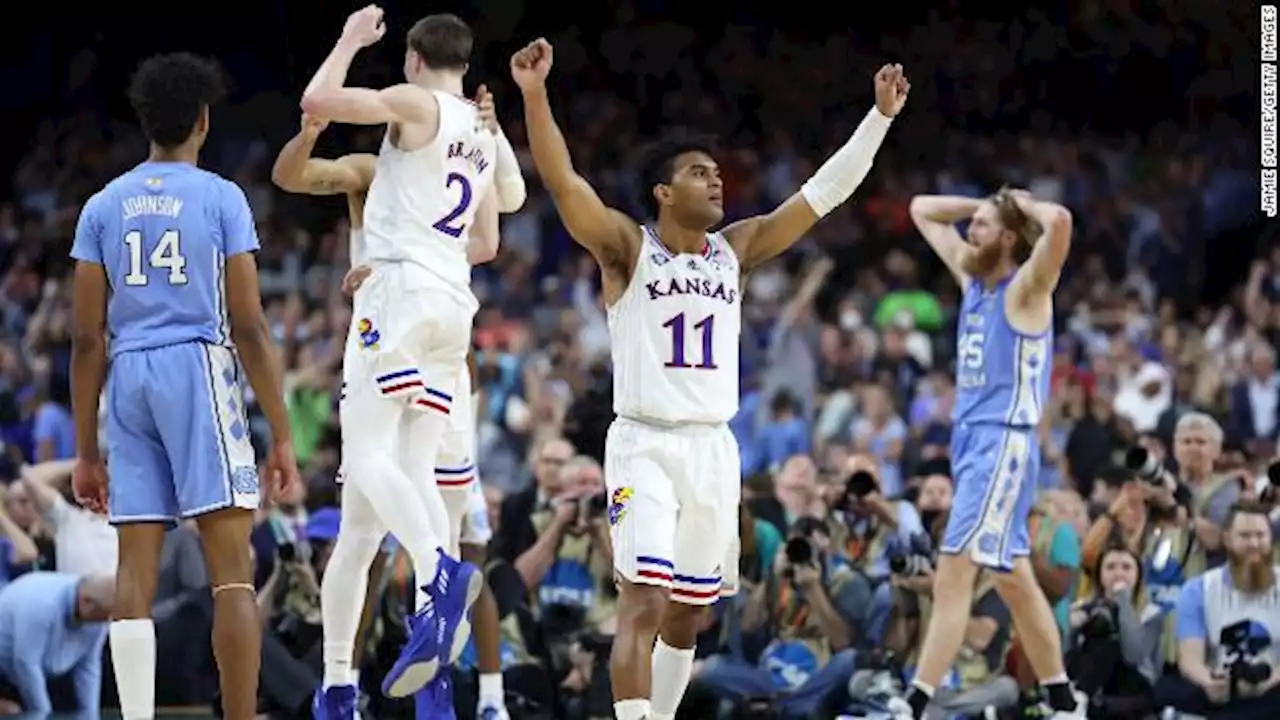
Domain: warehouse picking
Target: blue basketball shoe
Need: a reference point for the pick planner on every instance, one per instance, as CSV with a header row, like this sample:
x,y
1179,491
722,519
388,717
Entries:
x,y
435,701
336,702
438,632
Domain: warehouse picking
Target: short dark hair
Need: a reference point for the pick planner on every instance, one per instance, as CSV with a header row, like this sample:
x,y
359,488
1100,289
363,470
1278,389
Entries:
x,y
443,41
658,159
1013,218
1245,507
168,92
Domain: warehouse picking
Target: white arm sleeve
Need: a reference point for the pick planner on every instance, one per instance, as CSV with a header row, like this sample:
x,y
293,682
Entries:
x,y
509,182
844,171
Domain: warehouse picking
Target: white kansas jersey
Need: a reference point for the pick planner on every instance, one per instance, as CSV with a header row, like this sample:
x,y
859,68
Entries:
x,y
422,203
675,333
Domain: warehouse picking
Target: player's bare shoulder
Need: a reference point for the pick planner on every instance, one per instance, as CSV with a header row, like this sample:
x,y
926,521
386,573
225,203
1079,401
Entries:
x,y
617,250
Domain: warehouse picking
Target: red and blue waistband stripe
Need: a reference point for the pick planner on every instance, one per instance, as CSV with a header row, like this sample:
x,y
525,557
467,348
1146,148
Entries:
x,y
400,381
452,477
433,399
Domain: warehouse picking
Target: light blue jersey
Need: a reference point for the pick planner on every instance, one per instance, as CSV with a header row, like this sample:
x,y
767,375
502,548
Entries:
x,y
1002,384
177,438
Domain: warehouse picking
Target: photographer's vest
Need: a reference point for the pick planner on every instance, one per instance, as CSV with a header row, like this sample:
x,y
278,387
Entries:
x,y
1225,606
576,577
800,648
1198,561
859,542
969,670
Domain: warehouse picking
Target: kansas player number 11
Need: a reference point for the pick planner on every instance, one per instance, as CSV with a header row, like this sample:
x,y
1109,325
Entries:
x,y
703,327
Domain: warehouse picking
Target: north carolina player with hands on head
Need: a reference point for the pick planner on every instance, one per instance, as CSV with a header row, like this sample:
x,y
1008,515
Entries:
x,y
297,171
166,295
673,293
1007,271
430,204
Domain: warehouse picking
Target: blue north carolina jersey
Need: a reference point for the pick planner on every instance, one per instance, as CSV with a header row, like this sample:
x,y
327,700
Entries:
x,y
1002,375
177,437
1002,383
163,232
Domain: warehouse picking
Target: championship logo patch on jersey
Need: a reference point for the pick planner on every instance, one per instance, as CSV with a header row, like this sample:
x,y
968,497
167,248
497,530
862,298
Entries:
x,y
369,337
618,504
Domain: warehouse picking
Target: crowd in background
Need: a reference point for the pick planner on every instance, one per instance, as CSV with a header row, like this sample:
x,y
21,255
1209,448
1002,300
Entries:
x,y
846,355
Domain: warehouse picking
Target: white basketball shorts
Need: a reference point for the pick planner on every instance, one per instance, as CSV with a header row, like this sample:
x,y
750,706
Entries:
x,y
674,494
455,463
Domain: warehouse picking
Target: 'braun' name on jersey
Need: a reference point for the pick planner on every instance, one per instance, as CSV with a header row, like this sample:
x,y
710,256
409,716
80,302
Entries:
x,y
422,203
675,335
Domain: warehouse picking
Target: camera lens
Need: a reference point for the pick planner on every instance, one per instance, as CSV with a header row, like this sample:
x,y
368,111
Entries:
x,y
898,564
799,551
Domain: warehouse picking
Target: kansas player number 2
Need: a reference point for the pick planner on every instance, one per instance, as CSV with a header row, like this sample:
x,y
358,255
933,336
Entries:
x,y
166,255
446,224
679,356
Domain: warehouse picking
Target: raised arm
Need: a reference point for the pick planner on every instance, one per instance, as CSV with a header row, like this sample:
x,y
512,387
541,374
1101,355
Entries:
x,y
1039,275
326,96
935,217
296,171
604,232
758,239
508,180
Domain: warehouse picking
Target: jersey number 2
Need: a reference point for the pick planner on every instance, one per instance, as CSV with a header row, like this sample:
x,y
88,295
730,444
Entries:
x,y
167,255
704,328
446,223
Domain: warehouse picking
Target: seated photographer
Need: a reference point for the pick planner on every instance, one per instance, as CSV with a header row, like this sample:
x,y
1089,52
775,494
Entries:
x,y
809,611
1228,619
976,681
1197,447
864,520
1114,643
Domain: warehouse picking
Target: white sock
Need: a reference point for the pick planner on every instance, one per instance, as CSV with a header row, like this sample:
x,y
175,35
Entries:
x,y
491,687
671,670
133,656
346,582
631,709
355,679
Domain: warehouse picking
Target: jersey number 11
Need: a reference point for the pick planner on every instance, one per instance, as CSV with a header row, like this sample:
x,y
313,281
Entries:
x,y
703,328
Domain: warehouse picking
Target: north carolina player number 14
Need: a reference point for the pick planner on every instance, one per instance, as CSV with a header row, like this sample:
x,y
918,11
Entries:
x,y
703,328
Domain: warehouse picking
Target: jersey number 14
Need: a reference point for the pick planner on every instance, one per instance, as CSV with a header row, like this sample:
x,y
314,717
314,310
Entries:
x,y
166,255
679,344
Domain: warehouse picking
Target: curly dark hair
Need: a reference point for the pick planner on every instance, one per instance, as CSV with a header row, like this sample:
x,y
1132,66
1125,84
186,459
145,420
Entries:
x,y
657,160
168,92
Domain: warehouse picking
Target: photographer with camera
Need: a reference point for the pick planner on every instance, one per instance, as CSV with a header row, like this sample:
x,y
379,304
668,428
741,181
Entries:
x,y
1227,621
1114,648
864,520
807,614
1197,447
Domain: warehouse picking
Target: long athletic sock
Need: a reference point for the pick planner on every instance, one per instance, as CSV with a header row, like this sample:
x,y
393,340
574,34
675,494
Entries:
x,y
631,709
133,657
671,670
346,582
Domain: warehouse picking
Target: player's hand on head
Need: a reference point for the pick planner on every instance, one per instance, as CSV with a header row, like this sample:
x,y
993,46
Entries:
x,y
89,484
892,88
364,26
486,113
531,64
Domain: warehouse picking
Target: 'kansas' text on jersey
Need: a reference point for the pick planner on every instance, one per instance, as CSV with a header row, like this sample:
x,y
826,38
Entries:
x,y
163,232
675,333
1002,375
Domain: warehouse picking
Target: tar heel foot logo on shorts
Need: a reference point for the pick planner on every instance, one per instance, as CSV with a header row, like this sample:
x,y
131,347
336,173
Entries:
x,y
369,335
618,504
244,480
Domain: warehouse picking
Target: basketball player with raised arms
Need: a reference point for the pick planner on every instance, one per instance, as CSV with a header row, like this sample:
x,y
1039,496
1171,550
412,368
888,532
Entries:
x,y
673,291
296,171
1007,271
166,306
412,316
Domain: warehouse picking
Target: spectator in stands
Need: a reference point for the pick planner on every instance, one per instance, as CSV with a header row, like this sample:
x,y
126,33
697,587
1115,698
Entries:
x,y
531,550
1055,556
54,431
866,519
1255,402
1093,441
54,625
1228,625
21,511
17,550
85,541
1115,639
1197,446
809,612
881,433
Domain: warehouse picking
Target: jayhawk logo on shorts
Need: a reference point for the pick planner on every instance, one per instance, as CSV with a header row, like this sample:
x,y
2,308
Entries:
x,y
368,336
618,504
